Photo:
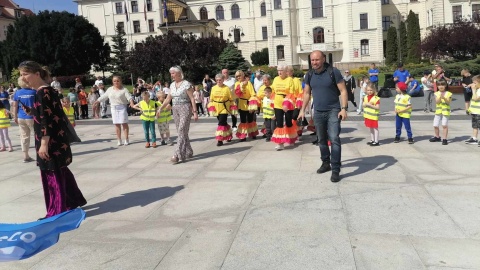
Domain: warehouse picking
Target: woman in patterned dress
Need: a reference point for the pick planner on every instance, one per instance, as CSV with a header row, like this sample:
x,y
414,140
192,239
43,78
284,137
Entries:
x,y
51,142
181,95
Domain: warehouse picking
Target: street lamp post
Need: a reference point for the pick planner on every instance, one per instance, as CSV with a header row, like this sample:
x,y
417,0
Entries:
x,y
237,33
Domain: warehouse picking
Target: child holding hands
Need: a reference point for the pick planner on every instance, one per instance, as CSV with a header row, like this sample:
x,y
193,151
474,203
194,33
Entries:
x,y
371,111
163,119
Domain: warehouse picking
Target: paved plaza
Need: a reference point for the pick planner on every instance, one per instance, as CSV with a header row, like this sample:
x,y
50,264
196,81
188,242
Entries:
x,y
246,206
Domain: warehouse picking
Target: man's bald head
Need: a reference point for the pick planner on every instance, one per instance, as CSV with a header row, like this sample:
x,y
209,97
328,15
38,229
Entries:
x,y
317,59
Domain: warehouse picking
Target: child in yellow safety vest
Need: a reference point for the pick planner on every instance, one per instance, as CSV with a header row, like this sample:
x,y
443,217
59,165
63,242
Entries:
x,y
403,111
474,110
371,111
4,125
268,114
163,119
442,112
68,110
148,109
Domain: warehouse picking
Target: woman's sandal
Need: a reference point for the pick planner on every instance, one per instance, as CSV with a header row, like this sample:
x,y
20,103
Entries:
x,y
174,160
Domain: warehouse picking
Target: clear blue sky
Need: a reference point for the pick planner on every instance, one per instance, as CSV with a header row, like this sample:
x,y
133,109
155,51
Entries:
x,y
57,5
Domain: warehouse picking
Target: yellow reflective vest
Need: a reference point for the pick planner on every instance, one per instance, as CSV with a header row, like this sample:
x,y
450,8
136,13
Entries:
x,y
402,102
165,115
70,114
371,113
268,111
148,110
475,105
443,108
4,120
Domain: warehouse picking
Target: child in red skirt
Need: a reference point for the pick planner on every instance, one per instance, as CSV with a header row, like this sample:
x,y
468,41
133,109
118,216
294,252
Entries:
x,y
371,111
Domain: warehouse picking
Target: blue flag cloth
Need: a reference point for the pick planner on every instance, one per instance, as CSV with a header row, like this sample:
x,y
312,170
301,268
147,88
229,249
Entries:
x,y
21,241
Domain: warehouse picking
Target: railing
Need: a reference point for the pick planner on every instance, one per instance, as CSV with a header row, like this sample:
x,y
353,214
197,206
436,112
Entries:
x,y
325,47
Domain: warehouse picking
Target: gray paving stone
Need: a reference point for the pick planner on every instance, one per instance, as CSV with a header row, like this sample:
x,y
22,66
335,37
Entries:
x,y
283,238
462,203
285,160
407,211
441,252
200,247
381,251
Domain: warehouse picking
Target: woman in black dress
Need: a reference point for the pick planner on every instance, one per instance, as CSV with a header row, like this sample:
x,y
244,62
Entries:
x,y
51,142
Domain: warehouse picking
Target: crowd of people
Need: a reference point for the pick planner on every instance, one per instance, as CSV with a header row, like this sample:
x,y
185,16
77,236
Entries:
x,y
284,100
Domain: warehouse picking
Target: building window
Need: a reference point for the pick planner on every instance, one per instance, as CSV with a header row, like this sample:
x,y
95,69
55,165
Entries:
x,y
170,16
386,23
263,9
476,13
364,21
149,5
136,26
277,4
220,15
121,27
318,35
280,52
317,8
151,26
279,28
18,13
203,13
134,6
457,13
221,34
236,35
118,8
235,11
385,2
264,33
364,48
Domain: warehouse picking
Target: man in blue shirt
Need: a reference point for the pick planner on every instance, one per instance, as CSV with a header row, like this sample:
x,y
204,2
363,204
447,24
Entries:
x,y
373,73
401,74
413,87
328,110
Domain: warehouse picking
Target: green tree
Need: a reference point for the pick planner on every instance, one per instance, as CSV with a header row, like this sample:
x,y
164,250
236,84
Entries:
x,y
68,44
260,58
232,59
413,38
402,42
104,59
391,55
119,50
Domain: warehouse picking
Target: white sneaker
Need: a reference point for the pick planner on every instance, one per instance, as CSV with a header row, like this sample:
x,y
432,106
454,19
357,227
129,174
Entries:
x,y
279,147
234,129
119,143
359,112
125,142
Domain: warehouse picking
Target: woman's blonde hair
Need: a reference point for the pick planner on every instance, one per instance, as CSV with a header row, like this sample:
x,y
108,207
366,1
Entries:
x,y
464,72
34,67
240,73
476,79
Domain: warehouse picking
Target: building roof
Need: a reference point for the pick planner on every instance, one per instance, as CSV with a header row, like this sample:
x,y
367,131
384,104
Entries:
x,y
8,4
184,23
5,14
27,12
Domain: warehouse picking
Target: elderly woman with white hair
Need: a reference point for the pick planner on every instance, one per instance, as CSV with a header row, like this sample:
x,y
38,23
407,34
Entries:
x,y
181,95
284,93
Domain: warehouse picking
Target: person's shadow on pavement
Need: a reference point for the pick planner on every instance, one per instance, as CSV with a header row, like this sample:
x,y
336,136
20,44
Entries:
x,y
366,164
132,199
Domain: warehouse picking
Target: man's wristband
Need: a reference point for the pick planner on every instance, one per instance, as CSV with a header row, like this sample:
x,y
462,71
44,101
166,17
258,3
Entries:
x,y
344,108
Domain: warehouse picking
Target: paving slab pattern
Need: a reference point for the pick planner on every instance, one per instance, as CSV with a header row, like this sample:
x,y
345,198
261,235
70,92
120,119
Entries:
x,y
247,206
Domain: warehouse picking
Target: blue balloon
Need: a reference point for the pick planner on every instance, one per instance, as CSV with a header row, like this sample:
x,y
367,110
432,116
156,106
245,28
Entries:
x,y
21,241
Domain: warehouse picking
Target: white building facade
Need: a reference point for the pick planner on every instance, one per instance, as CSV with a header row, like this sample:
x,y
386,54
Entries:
x,y
350,32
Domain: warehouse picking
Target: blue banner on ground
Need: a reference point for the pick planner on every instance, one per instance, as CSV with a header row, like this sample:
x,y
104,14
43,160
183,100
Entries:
x,y
21,241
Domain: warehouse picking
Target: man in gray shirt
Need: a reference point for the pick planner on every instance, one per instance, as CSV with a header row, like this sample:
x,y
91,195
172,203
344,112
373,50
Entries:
x,y
329,111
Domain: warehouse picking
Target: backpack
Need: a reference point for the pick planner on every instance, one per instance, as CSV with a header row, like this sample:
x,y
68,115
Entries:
x,y
309,75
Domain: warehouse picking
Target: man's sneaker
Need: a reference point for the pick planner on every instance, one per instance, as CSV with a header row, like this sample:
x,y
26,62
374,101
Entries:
x,y
369,143
335,177
425,111
147,145
410,140
169,142
264,136
279,147
163,142
375,144
444,142
154,145
268,139
435,139
471,141
396,140
324,168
